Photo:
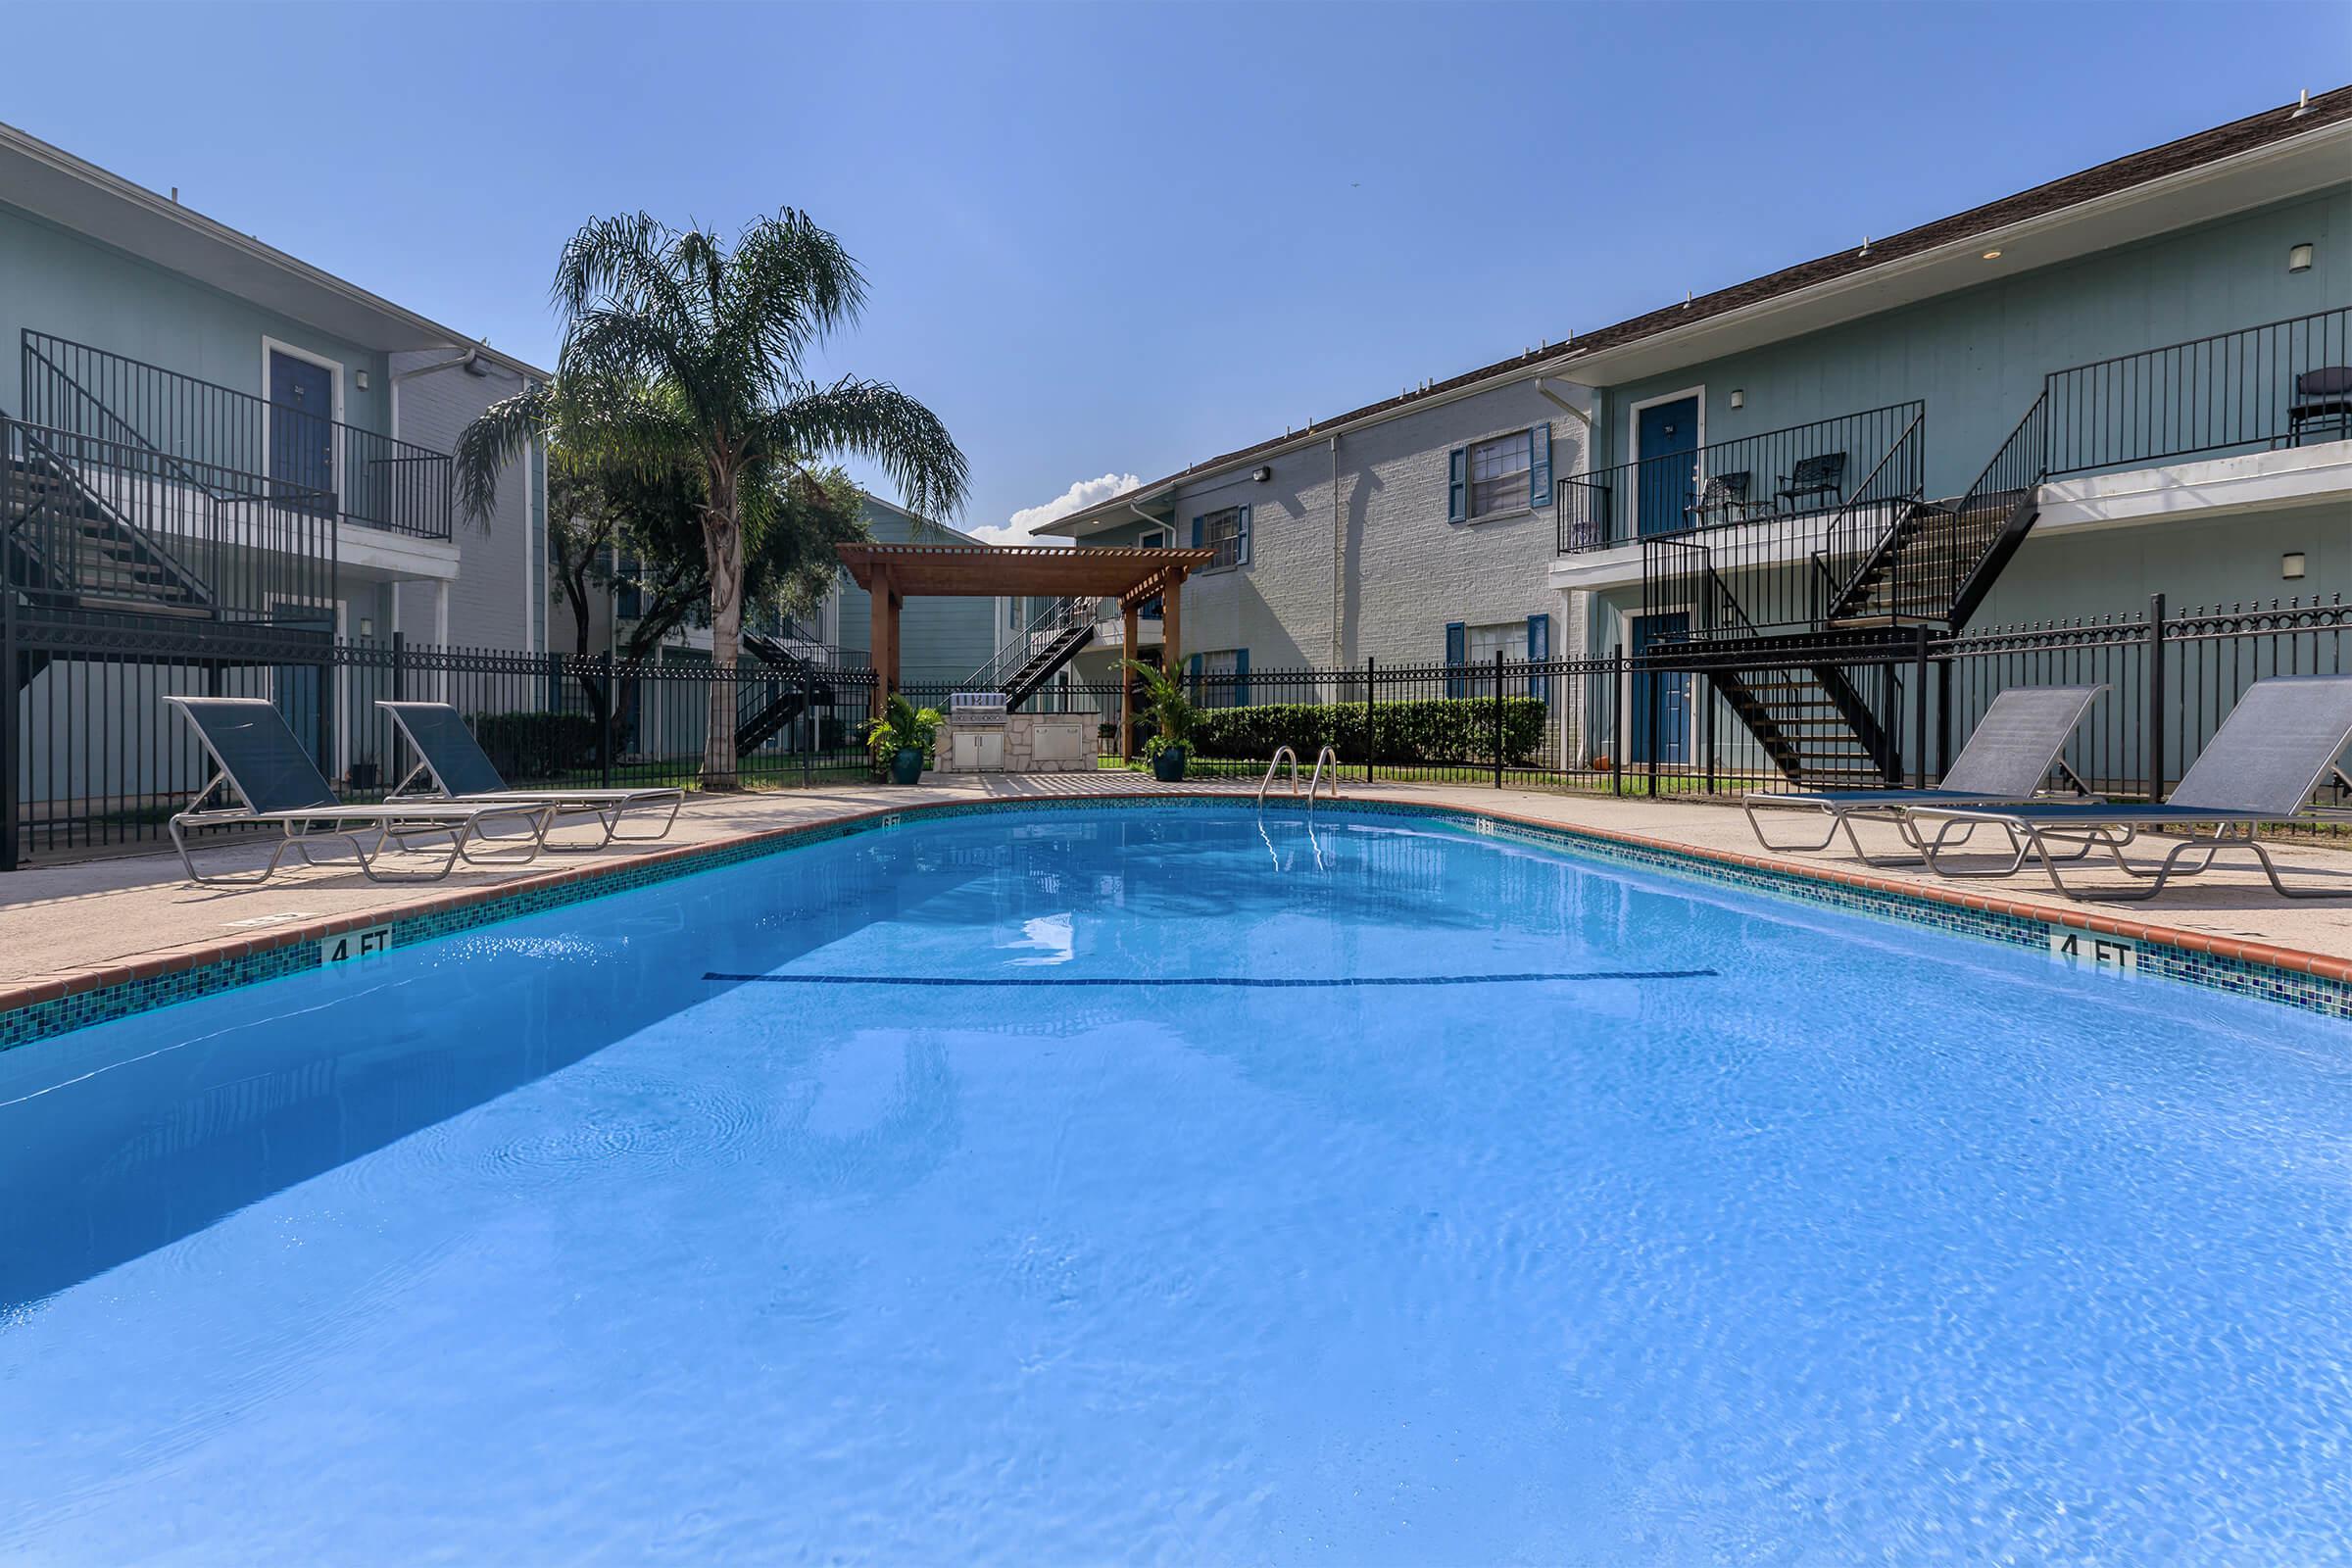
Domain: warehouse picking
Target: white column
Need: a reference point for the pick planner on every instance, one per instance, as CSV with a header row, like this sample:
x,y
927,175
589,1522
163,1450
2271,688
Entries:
x,y
441,634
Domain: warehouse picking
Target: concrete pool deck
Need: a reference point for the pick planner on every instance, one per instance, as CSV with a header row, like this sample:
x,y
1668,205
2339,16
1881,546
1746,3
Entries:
x,y
84,926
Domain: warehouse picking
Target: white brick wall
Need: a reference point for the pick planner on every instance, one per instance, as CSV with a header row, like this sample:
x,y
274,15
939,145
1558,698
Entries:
x,y
499,597
1384,577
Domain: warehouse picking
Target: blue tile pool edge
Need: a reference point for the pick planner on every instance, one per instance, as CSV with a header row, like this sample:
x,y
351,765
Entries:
x,y
2157,960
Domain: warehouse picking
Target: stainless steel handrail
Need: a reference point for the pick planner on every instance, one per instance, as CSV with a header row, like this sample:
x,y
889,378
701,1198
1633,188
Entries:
x,y
1315,781
1280,752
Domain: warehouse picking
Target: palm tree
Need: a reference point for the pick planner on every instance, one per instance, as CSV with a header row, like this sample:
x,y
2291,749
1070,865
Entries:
x,y
680,350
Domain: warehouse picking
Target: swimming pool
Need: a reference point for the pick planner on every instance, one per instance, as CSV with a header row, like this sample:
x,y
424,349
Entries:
x,y
1126,1183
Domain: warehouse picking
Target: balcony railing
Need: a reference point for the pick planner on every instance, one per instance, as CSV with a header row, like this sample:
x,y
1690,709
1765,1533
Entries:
x,y
1805,470
2281,385
366,477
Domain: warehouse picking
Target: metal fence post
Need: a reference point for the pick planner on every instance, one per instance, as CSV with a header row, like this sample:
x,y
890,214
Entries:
x,y
400,666
1653,713
12,675
1706,727
1919,712
2156,705
1617,680
815,726
604,730
1499,718
1943,714
1371,735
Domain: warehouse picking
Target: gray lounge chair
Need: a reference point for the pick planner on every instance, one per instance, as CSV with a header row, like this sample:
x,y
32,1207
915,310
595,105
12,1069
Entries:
x,y
2007,759
257,756
2260,767
463,772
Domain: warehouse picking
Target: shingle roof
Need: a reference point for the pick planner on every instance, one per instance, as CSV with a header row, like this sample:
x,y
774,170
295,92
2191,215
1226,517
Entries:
x,y
2120,173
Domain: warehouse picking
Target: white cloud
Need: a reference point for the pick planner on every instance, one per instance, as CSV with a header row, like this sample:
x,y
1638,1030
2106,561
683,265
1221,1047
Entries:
x,y
1077,498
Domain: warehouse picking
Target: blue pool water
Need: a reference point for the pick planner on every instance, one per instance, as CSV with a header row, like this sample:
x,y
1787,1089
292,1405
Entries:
x,y
682,1226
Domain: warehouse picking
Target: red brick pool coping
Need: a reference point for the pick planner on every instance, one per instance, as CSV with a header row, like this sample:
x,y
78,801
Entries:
x,y
55,988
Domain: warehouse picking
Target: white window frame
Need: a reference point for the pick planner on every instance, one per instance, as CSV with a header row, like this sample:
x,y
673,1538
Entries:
x,y
1526,502
1207,543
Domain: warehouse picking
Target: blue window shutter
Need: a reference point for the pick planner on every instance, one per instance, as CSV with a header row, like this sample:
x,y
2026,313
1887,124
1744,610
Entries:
x,y
1244,527
1240,677
1457,644
1457,485
1196,533
1539,466
1539,650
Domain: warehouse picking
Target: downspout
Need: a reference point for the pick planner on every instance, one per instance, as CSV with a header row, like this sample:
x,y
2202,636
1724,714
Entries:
x,y
1339,564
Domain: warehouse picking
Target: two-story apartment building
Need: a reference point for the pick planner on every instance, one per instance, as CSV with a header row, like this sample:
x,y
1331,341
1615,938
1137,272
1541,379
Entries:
x,y
2128,380
271,441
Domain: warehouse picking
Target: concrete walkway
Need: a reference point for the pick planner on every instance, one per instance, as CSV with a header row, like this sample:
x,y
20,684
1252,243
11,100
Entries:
x,y
76,926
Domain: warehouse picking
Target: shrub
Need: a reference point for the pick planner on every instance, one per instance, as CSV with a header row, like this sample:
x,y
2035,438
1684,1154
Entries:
x,y
1437,730
536,745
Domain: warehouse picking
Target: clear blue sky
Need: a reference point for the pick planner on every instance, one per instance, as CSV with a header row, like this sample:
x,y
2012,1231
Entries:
x,y
1115,239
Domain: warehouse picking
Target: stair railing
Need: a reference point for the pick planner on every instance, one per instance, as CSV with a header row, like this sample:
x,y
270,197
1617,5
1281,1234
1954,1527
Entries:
x,y
1991,520
1869,525
109,483
1059,617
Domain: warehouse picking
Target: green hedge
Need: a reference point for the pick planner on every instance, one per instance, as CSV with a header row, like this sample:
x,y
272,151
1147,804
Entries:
x,y
536,745
1438,730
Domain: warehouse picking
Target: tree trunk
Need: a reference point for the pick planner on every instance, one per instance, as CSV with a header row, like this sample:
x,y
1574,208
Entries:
x,y
722,545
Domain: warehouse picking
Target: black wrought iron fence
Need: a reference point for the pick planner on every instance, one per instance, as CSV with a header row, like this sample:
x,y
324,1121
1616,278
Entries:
x,y
96,759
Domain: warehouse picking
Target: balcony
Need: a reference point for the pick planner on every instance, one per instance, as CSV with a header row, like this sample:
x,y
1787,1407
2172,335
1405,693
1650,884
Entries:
x,y
1805,471
356,477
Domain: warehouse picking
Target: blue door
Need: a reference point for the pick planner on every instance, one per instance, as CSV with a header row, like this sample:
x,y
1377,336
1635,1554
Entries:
x,y
302,423
1665,436
1667,693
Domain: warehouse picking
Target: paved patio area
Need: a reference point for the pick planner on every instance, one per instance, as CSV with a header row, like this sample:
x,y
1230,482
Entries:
x,y
64,924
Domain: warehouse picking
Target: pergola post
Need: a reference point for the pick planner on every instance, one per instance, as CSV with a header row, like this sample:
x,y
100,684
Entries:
x,y
885,638
1171,628
1127,615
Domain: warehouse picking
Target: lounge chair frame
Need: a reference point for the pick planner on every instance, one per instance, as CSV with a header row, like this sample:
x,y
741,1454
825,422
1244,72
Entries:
x,y
610,807
371,830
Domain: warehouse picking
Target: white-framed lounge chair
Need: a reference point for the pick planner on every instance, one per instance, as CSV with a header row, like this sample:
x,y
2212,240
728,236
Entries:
x,y
460,771
257,756
2261,766
2008,757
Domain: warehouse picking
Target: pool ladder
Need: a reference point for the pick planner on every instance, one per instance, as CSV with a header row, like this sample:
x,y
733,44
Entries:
x,y
1316,782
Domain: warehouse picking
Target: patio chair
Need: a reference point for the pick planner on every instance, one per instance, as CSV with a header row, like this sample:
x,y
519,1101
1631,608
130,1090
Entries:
x,y
256,755
460,771
2007,759
2322,396
1723,499
2260,767
1821,475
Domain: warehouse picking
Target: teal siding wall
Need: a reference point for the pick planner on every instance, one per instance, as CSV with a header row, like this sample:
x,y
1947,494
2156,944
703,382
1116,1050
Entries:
x,y
1977,358
55,281
939,639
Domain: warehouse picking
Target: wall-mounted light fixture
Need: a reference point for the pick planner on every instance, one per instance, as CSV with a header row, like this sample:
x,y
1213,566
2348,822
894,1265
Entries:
x,y
1262,474
1738,397
2298,258
359,379
1992,255
2290,565
366,626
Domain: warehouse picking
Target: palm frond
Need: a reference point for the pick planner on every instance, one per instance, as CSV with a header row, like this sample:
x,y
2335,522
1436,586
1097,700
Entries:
x,y
875,421
499,435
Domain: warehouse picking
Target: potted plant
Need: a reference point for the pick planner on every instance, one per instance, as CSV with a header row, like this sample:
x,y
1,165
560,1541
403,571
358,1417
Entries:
x,y
366,774
1167,751
899,741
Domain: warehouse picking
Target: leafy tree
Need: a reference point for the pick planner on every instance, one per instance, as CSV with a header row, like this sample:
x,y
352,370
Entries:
x,y
685,356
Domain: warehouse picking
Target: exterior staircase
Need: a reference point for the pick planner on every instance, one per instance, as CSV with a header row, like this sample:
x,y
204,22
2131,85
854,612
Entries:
x,y
67,547
1890,563
800,685
1051,639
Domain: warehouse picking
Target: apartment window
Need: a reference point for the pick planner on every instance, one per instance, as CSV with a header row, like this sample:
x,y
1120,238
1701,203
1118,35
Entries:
x,y
1226,532
1220,679
1502,474
629,597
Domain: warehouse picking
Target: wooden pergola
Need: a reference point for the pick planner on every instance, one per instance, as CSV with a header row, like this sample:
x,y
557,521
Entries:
x,y
893,573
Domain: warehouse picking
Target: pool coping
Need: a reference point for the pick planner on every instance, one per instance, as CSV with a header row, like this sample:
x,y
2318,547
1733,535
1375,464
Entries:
x,y
40,1009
